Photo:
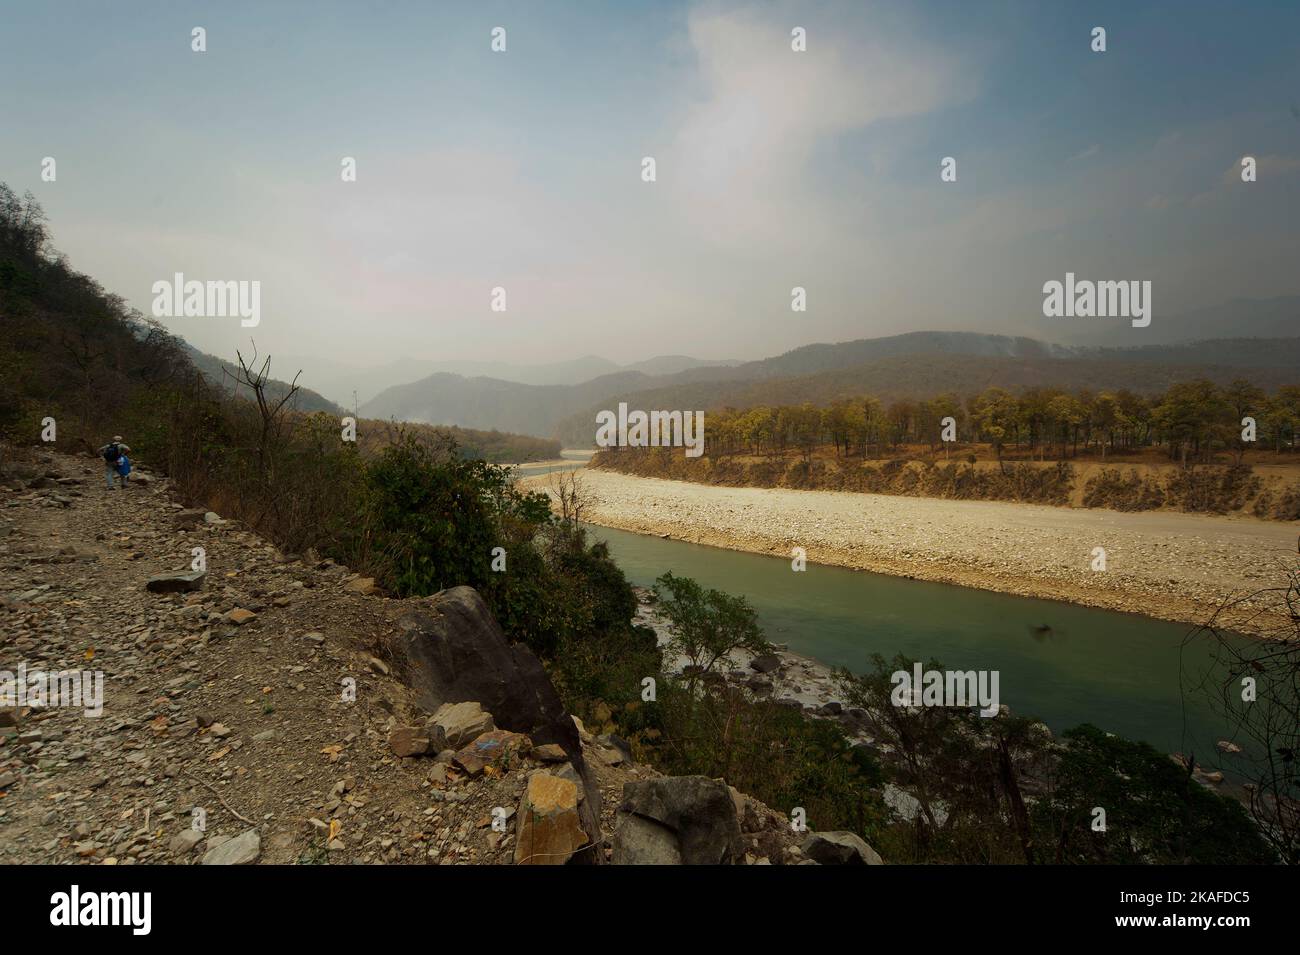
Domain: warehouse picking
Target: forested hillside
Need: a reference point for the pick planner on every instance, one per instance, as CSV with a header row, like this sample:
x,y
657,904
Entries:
x,y
73,352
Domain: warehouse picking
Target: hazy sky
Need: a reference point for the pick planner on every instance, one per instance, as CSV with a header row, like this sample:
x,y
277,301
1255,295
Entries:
x,y
775,168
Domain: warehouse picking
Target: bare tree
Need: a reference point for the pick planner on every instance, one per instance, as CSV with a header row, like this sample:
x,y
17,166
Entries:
x,y
569,491
272,413
1255,685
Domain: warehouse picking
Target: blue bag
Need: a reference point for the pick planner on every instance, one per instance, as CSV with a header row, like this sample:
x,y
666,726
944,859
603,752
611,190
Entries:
x,y
124,465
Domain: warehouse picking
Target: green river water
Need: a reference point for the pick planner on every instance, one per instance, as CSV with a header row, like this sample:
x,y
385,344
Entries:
x,y
1122,672
1118,671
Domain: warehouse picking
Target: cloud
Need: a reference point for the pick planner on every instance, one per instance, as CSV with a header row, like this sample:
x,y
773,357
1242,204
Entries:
x,y
738,167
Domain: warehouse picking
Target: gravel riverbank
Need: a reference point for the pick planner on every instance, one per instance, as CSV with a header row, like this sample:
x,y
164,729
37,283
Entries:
x,y
1168,565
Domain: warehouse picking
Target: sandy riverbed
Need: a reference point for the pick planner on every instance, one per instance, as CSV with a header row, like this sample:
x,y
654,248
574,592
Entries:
x,y
1168,565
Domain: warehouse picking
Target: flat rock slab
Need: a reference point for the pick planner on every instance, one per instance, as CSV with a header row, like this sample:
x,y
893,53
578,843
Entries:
x,y
176,583
454,725
241,850
189,518
491,747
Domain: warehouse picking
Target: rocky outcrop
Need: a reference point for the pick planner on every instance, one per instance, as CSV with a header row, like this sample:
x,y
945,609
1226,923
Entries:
x,y
686,820
455,652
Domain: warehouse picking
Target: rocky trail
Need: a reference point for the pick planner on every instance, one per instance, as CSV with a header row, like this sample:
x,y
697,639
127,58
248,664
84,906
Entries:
x,y
226,699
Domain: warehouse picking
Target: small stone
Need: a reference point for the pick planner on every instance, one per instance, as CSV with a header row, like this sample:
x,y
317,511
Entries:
x,y
244,849
549,753
184,842
176,583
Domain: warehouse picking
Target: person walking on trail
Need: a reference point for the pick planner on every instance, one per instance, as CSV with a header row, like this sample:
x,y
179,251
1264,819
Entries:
x,y
116,463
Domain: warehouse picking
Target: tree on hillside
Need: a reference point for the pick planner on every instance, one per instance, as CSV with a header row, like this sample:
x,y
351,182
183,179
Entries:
x,y
1244,399
707,625
1283,416
995,412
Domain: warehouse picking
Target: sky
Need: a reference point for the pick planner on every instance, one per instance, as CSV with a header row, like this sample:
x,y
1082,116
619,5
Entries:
x,y
522,169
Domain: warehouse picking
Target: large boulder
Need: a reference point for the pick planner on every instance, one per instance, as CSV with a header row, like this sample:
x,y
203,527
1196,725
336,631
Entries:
x,y
455,652
839,848
688,820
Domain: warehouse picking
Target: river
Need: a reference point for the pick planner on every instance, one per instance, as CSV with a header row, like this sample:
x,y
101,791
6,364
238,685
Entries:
x,y
1118,671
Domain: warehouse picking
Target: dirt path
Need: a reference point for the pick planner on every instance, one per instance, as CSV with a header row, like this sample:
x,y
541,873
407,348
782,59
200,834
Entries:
x,y
198,712
1166,565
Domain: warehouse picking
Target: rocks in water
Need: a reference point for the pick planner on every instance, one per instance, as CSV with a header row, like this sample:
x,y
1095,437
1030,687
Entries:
x,y
687,820
549,828
244,849
1225,746
455,724
839,848
176,583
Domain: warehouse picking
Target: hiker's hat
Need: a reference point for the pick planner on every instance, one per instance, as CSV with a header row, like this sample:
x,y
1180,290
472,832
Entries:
x,y
117,437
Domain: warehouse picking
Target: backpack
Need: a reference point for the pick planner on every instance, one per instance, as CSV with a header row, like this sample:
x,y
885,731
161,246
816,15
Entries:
x,y
124,465
112,453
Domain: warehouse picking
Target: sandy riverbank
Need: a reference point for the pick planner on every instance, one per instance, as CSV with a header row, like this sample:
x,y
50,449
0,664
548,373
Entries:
x,y
1168,565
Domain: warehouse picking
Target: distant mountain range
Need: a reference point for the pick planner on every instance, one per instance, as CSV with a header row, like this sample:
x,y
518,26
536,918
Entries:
x,y
1259,340
342,382
1239,318
915,365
